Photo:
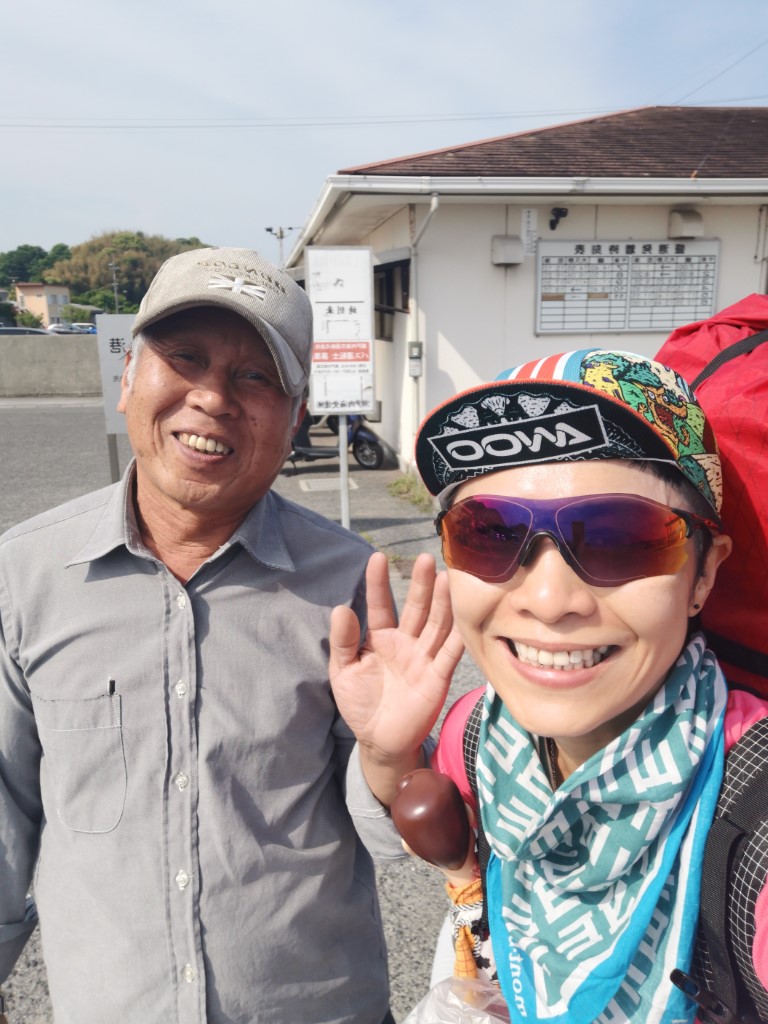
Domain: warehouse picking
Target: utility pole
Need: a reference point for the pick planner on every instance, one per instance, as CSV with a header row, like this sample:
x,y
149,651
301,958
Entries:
x,y
113,268
280,234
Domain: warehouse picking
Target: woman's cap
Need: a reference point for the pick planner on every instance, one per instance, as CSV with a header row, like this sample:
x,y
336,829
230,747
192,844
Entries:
x,y
245,283
587,404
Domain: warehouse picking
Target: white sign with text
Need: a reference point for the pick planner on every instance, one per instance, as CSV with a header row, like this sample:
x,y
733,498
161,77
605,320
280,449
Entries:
x,y
340,287
113,332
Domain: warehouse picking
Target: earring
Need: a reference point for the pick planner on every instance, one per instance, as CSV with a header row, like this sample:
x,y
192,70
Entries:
x,y
696,607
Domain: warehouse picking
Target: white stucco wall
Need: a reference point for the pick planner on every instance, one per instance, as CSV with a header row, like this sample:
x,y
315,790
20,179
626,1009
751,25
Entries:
x,y
476,319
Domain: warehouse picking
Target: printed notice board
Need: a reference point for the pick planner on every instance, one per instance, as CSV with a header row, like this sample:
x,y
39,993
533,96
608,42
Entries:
x,y
340,288
609,285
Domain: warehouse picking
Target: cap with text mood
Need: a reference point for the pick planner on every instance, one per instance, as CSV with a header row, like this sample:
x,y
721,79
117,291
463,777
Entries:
x,y
241,281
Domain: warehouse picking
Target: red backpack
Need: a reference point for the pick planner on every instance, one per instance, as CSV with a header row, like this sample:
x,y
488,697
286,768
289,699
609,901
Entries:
x,y
726,363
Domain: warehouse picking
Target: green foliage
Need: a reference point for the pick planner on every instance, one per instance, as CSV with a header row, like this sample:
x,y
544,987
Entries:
x,y
58,252
72,314
412,489
26,263
29,263
27,319
87,269
130,257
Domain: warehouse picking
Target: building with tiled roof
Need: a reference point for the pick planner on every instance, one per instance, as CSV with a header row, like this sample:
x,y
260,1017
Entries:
x,y
610,230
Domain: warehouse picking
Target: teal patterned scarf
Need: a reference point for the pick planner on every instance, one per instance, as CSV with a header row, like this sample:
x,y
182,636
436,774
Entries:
x,y
593,891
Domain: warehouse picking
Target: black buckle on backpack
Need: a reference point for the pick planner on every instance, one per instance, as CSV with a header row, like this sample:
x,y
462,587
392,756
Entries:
x,y
713,1011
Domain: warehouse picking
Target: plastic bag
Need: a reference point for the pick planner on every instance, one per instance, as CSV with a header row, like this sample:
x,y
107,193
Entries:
x,y
461,1001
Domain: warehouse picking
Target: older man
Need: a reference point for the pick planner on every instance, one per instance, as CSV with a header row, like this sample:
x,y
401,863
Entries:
x,y
170,752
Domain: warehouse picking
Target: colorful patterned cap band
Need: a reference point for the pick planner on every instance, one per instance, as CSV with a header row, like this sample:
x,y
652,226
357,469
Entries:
x,y
588,404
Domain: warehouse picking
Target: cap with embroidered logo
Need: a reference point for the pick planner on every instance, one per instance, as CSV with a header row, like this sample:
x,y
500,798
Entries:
x,y
588,404
241,281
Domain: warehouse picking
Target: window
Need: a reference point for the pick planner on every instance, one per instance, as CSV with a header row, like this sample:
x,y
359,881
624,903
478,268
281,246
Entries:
x,y
390,295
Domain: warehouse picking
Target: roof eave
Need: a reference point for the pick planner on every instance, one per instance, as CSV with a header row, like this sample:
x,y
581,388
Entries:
x,y
340,187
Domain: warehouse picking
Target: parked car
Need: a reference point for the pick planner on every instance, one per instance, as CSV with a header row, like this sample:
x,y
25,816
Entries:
x,y
85,328
62,329
22,330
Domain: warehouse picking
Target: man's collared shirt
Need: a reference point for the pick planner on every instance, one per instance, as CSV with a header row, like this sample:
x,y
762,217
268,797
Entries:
x,y
174,756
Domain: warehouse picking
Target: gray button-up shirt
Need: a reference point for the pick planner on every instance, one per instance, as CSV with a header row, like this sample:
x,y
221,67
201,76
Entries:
x,y
172,762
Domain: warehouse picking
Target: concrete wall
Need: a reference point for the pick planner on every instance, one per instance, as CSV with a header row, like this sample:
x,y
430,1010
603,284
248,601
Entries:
x,y
62,364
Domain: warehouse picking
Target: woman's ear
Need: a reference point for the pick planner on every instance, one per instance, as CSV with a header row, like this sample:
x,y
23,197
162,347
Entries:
x,y
717,554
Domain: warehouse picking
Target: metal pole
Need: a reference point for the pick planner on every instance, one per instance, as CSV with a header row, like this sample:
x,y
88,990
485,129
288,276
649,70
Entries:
x,y
344,471
113,268
279,233
114,463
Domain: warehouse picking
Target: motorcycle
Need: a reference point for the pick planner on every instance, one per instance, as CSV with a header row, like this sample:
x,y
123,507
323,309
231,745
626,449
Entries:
x,y
367,448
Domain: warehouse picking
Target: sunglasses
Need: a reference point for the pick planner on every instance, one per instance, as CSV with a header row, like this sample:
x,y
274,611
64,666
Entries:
x,y
607,539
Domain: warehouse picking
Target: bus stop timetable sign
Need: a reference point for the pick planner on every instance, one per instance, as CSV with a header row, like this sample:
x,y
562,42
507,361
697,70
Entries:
x,y
340,288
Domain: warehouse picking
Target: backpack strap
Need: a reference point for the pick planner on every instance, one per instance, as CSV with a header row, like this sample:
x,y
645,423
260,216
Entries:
x,y
734,872
727,839
734,653
738,348
470,744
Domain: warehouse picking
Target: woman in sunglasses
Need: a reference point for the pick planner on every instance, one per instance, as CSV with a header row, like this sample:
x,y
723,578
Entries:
x,y
580,501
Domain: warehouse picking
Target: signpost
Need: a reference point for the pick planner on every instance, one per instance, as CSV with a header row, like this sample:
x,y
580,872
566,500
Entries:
x,y
113,336
340,287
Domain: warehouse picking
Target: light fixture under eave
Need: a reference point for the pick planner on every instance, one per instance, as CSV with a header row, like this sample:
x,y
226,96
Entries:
x,y
558,212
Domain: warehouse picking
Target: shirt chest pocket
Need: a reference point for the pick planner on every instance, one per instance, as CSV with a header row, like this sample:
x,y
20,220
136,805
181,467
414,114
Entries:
x,y
84,761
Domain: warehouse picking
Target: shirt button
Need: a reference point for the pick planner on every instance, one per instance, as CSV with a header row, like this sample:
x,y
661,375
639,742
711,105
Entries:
x,y
182,879
181,600
189,973
181,688
182,780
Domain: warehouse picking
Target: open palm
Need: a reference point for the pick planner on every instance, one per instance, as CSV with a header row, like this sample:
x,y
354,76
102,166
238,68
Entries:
x,y
390,688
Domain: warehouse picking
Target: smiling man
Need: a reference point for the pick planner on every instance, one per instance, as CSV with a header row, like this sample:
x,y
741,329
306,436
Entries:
x,y
170,752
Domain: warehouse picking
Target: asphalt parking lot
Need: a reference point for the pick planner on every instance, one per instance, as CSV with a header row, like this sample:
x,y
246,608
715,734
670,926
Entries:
x,y
52,450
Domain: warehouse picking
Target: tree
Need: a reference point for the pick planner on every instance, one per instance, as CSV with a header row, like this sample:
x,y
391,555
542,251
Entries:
x,y
90,269
26,319
60,251
25,263
74,314
134,256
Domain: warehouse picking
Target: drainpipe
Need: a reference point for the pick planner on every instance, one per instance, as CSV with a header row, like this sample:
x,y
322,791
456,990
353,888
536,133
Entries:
x,y
413,332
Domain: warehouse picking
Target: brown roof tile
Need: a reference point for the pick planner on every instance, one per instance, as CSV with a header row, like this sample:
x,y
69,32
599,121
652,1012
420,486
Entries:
x,y
653,142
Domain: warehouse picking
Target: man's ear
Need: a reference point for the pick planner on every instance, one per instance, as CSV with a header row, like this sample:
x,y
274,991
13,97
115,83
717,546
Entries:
x,y
300,413
124,388
717,554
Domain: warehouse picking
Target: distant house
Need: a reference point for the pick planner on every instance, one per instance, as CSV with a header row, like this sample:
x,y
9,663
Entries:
x,y
607,231
43,300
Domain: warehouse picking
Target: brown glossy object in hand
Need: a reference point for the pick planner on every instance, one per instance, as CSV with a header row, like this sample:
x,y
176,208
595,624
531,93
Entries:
x,y
429,813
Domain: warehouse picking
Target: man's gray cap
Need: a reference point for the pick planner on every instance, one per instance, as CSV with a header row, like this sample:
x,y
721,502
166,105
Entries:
x,y
245,283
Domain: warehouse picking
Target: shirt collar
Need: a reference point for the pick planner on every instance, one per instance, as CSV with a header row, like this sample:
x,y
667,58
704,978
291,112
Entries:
x,y
259,533
116,525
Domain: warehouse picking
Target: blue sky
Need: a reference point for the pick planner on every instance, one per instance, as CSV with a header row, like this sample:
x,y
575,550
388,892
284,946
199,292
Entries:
x,y
219,119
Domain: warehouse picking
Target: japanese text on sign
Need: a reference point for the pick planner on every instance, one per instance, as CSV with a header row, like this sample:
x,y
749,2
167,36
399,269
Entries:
x,y
113,340
340,287
624,285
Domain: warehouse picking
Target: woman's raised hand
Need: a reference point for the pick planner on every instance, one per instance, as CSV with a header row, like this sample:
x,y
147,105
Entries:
x,y
390,688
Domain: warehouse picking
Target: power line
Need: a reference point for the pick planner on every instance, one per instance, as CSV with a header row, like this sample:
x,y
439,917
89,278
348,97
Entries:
x,y
721,73
236,124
